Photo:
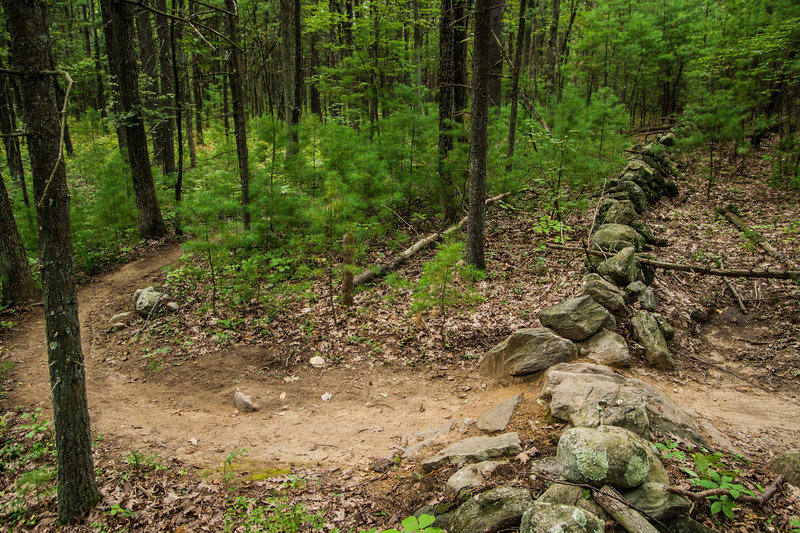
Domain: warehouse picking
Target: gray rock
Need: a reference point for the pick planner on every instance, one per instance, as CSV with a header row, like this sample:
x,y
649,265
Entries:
x,y
656,502
441,513
684,524
646,273
671,188
117,326
497,419
590,395
643,294
560,494
649,335
148,300
577,318
473,450
172,306
548,517
615,237
494,510
417,440
605,293
527,351
608,348
547,466
643,229
472,476
621,268
668,139
121,318
619,212
606,455
634,193
635,288
243,402
788,464
666,328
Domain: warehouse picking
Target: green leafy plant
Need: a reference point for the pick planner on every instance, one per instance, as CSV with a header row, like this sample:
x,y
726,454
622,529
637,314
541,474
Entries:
x,y
795,525
274,514
710,473
671,450
228,466
413,524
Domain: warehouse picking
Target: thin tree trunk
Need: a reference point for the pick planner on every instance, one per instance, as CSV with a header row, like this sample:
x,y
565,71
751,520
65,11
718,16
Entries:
x,y
197,90
100,96
173,39
552,50
288,59
149,64
461,21
16,280
446,109
164,132
495,45
512,119
13,152
478,137
119,41
77,489
239,112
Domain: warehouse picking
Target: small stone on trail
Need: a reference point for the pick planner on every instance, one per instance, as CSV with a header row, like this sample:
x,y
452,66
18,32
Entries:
x,y
497,419
327,397
474,449
243,402
317,362
381,465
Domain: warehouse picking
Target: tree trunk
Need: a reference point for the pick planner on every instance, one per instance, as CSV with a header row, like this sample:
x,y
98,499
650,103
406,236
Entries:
x,y
149,67
77,489
100,96
298,67
512,119
495,45
16,280
478,136
119,42
446,109
13,152
288,63
197,90
552,50
164,132
114,69
239,112
461,21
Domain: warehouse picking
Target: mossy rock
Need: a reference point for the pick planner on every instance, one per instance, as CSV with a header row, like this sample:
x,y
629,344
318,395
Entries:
x,y
548,517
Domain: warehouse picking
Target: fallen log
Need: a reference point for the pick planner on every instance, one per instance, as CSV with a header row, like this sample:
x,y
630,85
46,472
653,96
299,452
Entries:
x,y
384,268
633,522
697,269
754,236
761,499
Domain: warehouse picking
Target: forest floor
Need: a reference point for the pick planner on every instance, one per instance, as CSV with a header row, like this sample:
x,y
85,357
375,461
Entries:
x,y
171,450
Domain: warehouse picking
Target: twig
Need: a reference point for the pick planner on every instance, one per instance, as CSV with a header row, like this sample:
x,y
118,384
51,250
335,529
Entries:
x,y
755,237
731,288
768,493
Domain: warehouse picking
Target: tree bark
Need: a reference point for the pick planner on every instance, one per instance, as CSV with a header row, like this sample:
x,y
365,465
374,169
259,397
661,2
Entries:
x,y
16,280
495,45
446,109
552,50
478,136
119,42
149,67
13,152
100,96
77,489
239,112
288,59
164,132
518,56
461,21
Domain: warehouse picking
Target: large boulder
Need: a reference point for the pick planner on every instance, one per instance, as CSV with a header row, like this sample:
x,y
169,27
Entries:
x,y
561,494
473,450
498,509
608,348
148,300
615,237
576,318
649,335
548,517
788,464
606,294
527,351
606,455
657,502
589,395
621,268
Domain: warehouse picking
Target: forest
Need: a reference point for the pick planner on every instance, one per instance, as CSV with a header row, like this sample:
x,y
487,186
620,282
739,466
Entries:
x,y
380,192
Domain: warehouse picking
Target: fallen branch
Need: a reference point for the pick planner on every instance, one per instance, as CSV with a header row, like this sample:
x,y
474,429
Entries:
x,y
754,236
768,493
611,500
735,293
697,269
384,268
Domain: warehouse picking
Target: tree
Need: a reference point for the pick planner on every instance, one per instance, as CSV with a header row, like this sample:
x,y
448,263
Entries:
x,y
164,134
446,108
239,112
7,126
119,44
15,272
77,489
289,35
518,55
495,45
478,135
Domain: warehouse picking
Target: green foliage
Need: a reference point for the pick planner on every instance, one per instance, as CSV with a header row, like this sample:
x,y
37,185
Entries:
x,y
273,514
413,524
710,472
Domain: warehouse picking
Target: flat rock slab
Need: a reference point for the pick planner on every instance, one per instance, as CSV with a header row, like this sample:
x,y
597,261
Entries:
x,y
577,318
497,419
589,395
417,440
472,475
473,450
527,351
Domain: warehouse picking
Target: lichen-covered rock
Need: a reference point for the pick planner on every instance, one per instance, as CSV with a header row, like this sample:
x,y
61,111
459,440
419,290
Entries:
x,y
643,294
656,502
618,212
553,518
668,139
621,268
472,475
649,335
646,273
644,230
527,351
634,193
577,318
495,510
473,450
148,300
606,294
608,348
615,237
666,328
560,494
788,464
606,455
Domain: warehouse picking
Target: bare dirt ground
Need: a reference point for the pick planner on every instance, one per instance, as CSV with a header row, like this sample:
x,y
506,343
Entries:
x,y
164,386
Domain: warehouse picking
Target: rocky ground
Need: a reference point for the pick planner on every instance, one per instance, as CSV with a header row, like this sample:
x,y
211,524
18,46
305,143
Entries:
x,y
173,451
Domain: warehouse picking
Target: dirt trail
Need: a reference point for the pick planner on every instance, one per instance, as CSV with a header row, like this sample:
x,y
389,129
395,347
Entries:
x,y
188,413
